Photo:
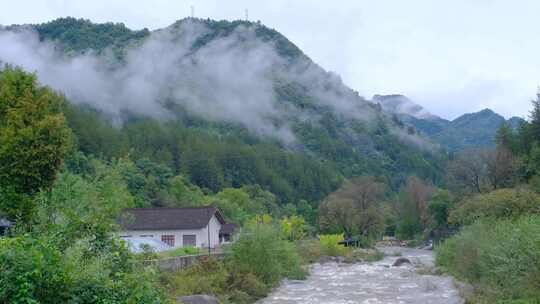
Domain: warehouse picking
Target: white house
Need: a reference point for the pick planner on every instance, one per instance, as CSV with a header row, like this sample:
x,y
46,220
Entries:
x,y
200,227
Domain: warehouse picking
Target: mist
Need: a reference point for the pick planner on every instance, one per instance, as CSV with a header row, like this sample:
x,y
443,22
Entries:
x,y
222,81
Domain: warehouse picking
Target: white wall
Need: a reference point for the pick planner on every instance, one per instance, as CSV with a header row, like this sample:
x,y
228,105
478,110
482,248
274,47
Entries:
x,y
215,227
201,234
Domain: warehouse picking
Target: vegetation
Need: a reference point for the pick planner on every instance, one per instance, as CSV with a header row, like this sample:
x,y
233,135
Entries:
x,y
256,263
501,257
179,252
79,35
67,171
68,254
329,245
34,139
497,249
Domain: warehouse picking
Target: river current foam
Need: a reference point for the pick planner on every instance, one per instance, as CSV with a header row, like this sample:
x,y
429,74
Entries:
x,y
370,283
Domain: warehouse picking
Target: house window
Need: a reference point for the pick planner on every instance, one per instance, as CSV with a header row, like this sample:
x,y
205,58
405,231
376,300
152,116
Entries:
x,y
189,240
168,239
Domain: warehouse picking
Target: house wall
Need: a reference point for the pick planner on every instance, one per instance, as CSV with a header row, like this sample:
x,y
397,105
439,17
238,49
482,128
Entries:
x,y
215,227
201,234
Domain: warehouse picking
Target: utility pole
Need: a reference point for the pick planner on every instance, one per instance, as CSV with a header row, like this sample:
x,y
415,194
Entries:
x,y
192,11
208,228
247,15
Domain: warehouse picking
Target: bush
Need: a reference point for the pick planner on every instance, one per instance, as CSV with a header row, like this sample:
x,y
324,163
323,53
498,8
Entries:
x,y
504,203
34,270
330,247
208,277
261,251
501,257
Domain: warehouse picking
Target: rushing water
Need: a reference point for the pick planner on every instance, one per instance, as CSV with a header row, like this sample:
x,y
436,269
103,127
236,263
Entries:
x,y
370,283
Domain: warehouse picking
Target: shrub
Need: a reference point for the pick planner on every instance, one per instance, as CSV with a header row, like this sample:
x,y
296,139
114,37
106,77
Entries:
x,y
34,270
309,251
504,203
501,257
330,247
208,277
261,251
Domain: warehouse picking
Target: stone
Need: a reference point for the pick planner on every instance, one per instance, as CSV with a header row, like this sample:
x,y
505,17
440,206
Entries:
x,y
401,261
329,259
197,299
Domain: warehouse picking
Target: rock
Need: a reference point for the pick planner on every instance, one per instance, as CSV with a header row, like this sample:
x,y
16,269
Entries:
x,y
197,299
465,290
401,261
328,259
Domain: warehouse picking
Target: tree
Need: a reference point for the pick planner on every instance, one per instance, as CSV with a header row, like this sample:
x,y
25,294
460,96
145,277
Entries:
x,y
468,169
413,204
354,208
34,140
439,208
505,137
534,117
502,166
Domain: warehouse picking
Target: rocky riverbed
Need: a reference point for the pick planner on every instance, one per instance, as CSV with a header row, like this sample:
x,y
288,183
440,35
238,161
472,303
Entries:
x,y
372,283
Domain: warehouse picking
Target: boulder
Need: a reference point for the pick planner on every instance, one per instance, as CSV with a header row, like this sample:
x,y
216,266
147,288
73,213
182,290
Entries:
x,y
401,261
329,259
197,299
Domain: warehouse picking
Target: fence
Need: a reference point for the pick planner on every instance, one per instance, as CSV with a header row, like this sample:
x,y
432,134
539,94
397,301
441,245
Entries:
x,y
181,262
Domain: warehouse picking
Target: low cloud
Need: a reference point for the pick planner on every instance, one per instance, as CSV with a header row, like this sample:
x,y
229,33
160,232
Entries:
x,y
224,80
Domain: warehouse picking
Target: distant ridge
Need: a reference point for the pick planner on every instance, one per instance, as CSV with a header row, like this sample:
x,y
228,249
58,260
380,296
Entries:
x,y
476,129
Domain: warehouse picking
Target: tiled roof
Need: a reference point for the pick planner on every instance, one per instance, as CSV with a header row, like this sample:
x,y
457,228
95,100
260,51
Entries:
x,y
169,218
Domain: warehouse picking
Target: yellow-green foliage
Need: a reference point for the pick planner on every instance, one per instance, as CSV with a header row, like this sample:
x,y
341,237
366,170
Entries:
x,y
293,228
330,246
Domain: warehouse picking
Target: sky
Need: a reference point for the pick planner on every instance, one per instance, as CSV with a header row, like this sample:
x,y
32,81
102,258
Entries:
x,y
450,56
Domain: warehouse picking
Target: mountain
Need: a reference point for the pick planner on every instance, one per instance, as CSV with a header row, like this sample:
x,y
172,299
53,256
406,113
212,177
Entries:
x,y
225,103
469,130
402,105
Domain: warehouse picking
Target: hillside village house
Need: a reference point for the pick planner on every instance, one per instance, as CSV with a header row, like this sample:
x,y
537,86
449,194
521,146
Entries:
x,y
202,227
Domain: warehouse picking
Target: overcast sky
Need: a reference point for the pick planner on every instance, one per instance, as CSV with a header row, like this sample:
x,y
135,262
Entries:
x,y
450,56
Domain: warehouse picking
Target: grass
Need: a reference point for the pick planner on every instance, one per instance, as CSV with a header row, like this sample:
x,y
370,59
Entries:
x,y
181,251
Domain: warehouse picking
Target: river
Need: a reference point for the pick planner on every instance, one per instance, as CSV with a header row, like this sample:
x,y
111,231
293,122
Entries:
x,y
371,283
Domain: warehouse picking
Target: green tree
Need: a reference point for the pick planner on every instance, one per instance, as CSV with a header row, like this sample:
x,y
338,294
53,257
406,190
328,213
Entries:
x,y
505,137
354,208
439,208
34,140
534,118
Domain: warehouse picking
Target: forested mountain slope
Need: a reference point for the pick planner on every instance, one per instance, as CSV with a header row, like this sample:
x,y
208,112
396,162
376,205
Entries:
x,y
224,103
472,130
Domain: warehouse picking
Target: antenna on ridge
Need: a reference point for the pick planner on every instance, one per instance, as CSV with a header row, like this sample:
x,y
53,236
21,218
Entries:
x,y
192,11
247,15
